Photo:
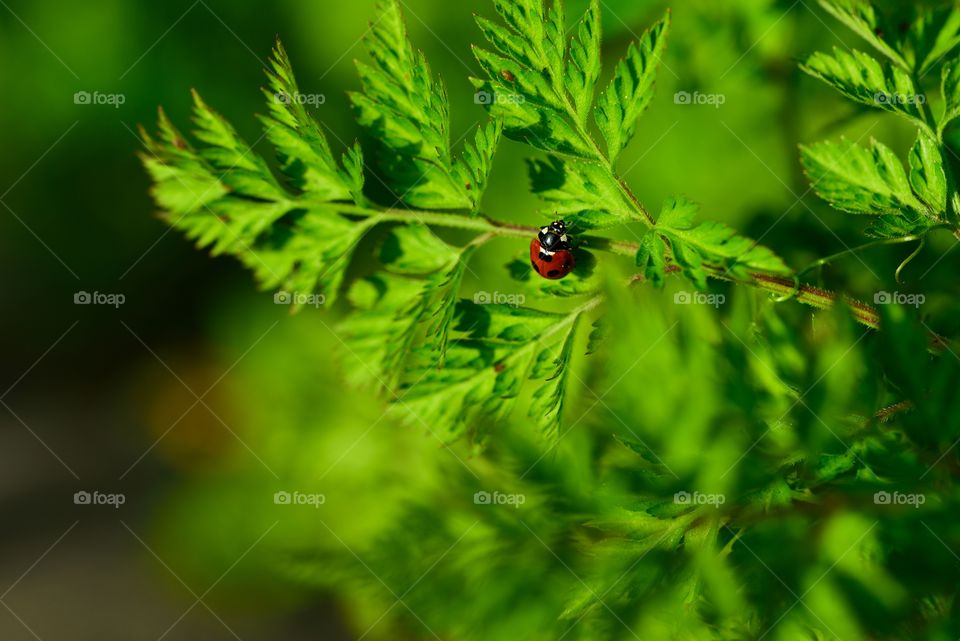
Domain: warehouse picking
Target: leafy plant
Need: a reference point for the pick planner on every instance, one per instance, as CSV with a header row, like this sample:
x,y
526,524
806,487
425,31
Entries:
x,y
298,233
793,429
871,180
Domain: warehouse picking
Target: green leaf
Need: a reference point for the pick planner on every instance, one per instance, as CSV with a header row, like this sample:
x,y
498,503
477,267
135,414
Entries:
x,y
415,249
678,213
908,223
304,153
313,252
583,68
406,112
382,329
927,175
631,89
441,294
533,123
950,86
546,406
936,34
474,167
862,18
584,194
493,350
241,170
652,258
183,183
859,180
864,79
708,244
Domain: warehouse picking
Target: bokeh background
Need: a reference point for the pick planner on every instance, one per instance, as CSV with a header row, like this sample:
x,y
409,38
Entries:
x,y
198,397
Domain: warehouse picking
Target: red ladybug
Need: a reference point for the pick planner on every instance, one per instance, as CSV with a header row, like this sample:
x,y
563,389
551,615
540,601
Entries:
x,y
550,252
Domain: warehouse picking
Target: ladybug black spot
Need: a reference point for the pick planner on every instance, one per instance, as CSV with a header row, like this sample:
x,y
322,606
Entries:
x,y
553,272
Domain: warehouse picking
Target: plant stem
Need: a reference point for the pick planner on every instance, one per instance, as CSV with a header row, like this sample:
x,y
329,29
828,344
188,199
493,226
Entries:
x,y
784,287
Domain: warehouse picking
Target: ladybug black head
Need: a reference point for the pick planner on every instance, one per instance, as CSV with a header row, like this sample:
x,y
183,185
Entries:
x,y
554,237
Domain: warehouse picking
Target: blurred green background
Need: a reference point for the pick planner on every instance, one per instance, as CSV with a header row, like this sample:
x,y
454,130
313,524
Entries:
x,y
106,399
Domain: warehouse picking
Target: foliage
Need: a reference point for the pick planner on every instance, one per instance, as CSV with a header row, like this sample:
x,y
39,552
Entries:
x,y
872,180
724,486
443,361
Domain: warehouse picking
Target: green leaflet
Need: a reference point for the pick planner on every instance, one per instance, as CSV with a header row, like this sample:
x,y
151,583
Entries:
x,y
542,86
547,404
872,181
631,89
240,170
926,174
697,248
857,179
314,252
584,194
950,86
414,249
583,68
863,19
381,331
304,153
933,36
183,183
223,196
406,111
862,78
420,316
493,349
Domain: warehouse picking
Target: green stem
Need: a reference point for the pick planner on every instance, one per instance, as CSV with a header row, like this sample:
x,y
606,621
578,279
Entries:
x,y
855,250
785,287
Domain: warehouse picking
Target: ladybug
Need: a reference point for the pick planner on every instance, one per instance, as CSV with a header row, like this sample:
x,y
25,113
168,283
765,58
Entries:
x,y
550,252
